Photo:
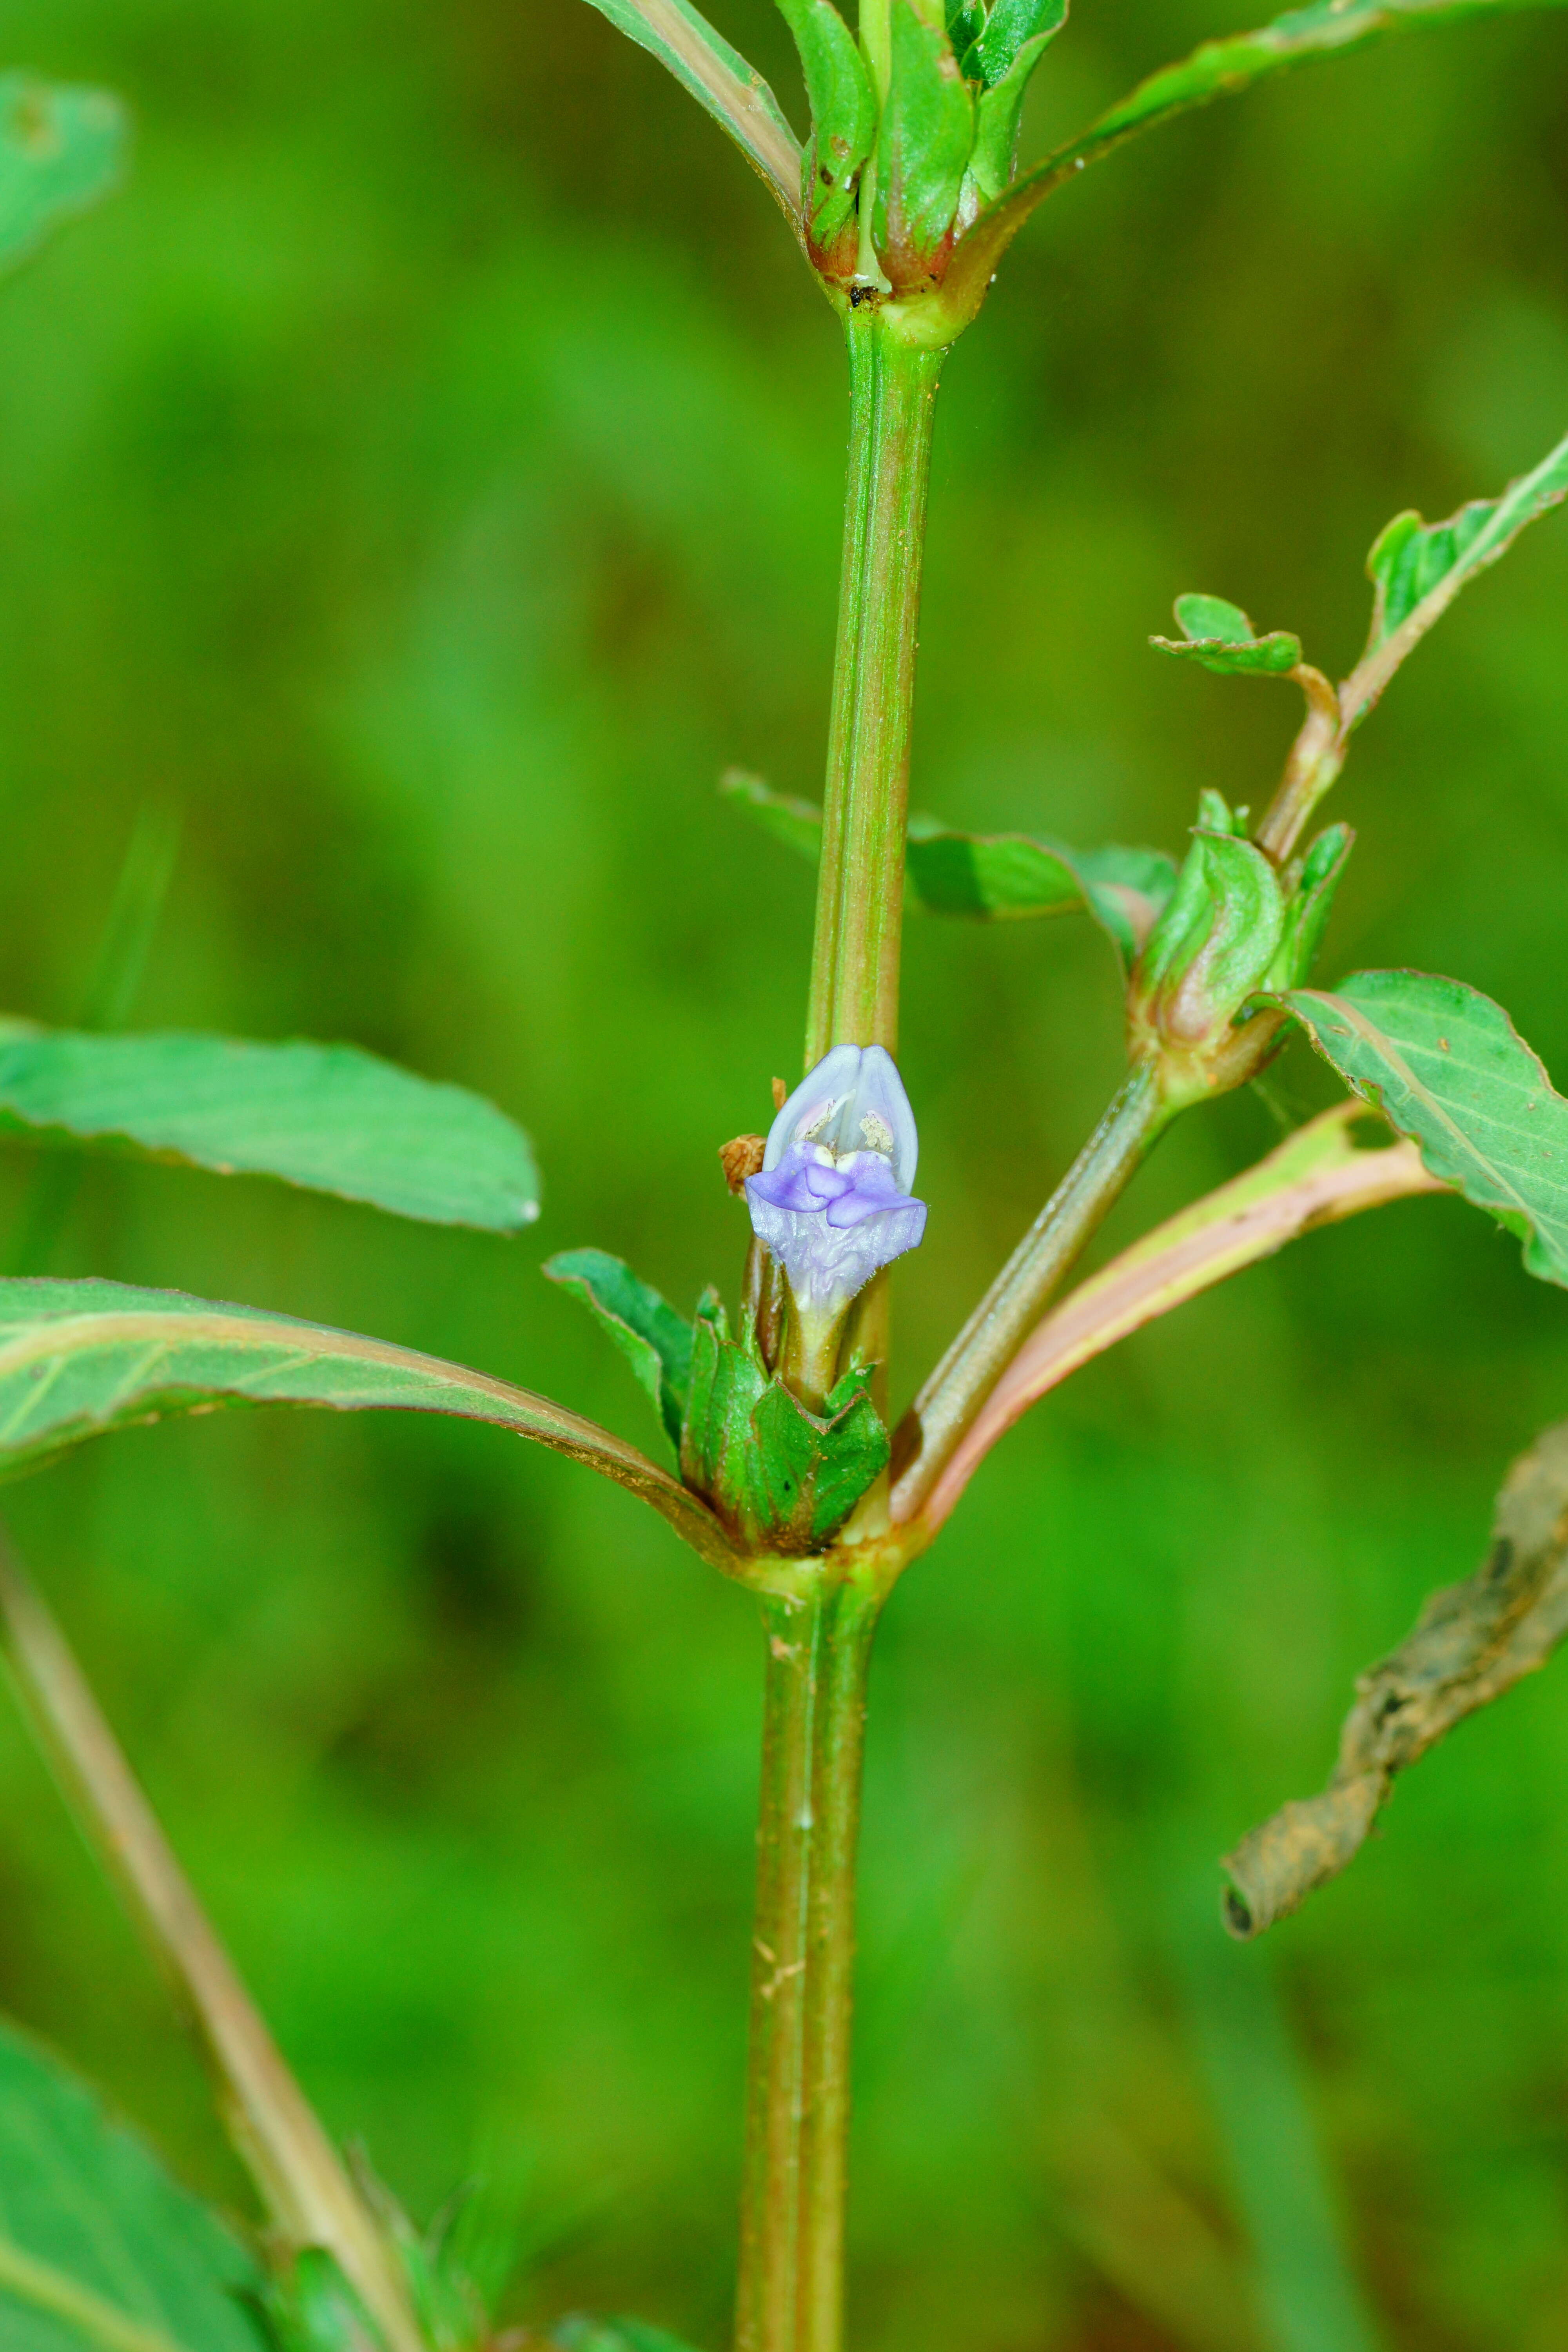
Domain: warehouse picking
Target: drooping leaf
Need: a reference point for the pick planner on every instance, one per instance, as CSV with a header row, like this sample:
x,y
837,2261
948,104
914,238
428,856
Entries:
x,y
1448,1068
655,1340
1220,68
997,877
78,1358
99,2249
1000,877
796,823
327,1116
61,149
719,79
926,136
842,114
1418,567
1221,637
1471,1643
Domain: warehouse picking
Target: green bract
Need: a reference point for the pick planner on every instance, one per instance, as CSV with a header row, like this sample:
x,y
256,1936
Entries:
x,y
1205,956
843,121
1308,906
779,1478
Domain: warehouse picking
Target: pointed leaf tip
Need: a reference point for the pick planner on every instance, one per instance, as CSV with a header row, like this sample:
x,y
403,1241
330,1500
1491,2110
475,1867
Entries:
x,y
331,1119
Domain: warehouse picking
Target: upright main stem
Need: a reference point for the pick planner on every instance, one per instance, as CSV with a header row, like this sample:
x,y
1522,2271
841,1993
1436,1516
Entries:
x,y
791,2238
792,2214
861,893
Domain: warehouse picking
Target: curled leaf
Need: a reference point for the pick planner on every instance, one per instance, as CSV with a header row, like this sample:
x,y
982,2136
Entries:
x,y
1220,637
1471,1643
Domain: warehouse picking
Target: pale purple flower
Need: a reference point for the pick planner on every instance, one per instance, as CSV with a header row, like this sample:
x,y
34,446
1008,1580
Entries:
x,y
832,1202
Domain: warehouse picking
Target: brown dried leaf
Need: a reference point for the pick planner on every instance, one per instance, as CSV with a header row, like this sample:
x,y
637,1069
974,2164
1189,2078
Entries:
x,y
1471,1643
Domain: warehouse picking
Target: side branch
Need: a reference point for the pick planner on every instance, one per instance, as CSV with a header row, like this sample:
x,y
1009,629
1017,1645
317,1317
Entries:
x,y
1317,1177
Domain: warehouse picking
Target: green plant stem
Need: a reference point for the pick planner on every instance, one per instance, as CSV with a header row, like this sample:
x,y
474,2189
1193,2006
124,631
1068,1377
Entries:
x,y
309,2199
791,2232
860,890
935,1424
791,2238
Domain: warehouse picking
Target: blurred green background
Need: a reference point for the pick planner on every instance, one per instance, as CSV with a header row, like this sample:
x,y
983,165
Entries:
x,y
424,478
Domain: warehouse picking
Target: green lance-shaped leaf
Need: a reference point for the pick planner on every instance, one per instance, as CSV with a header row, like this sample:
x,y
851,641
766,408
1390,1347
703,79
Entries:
x,y
1471,1643
842,114
1221,637
1418,567
61,149
655,1340
99,2249
926,138
1448,1068
997,877
327,1116
719,79
1003,58
1220,68
78,1358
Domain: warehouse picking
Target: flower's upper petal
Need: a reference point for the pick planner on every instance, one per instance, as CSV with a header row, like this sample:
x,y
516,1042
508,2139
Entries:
x,y
819,1097
880,1115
